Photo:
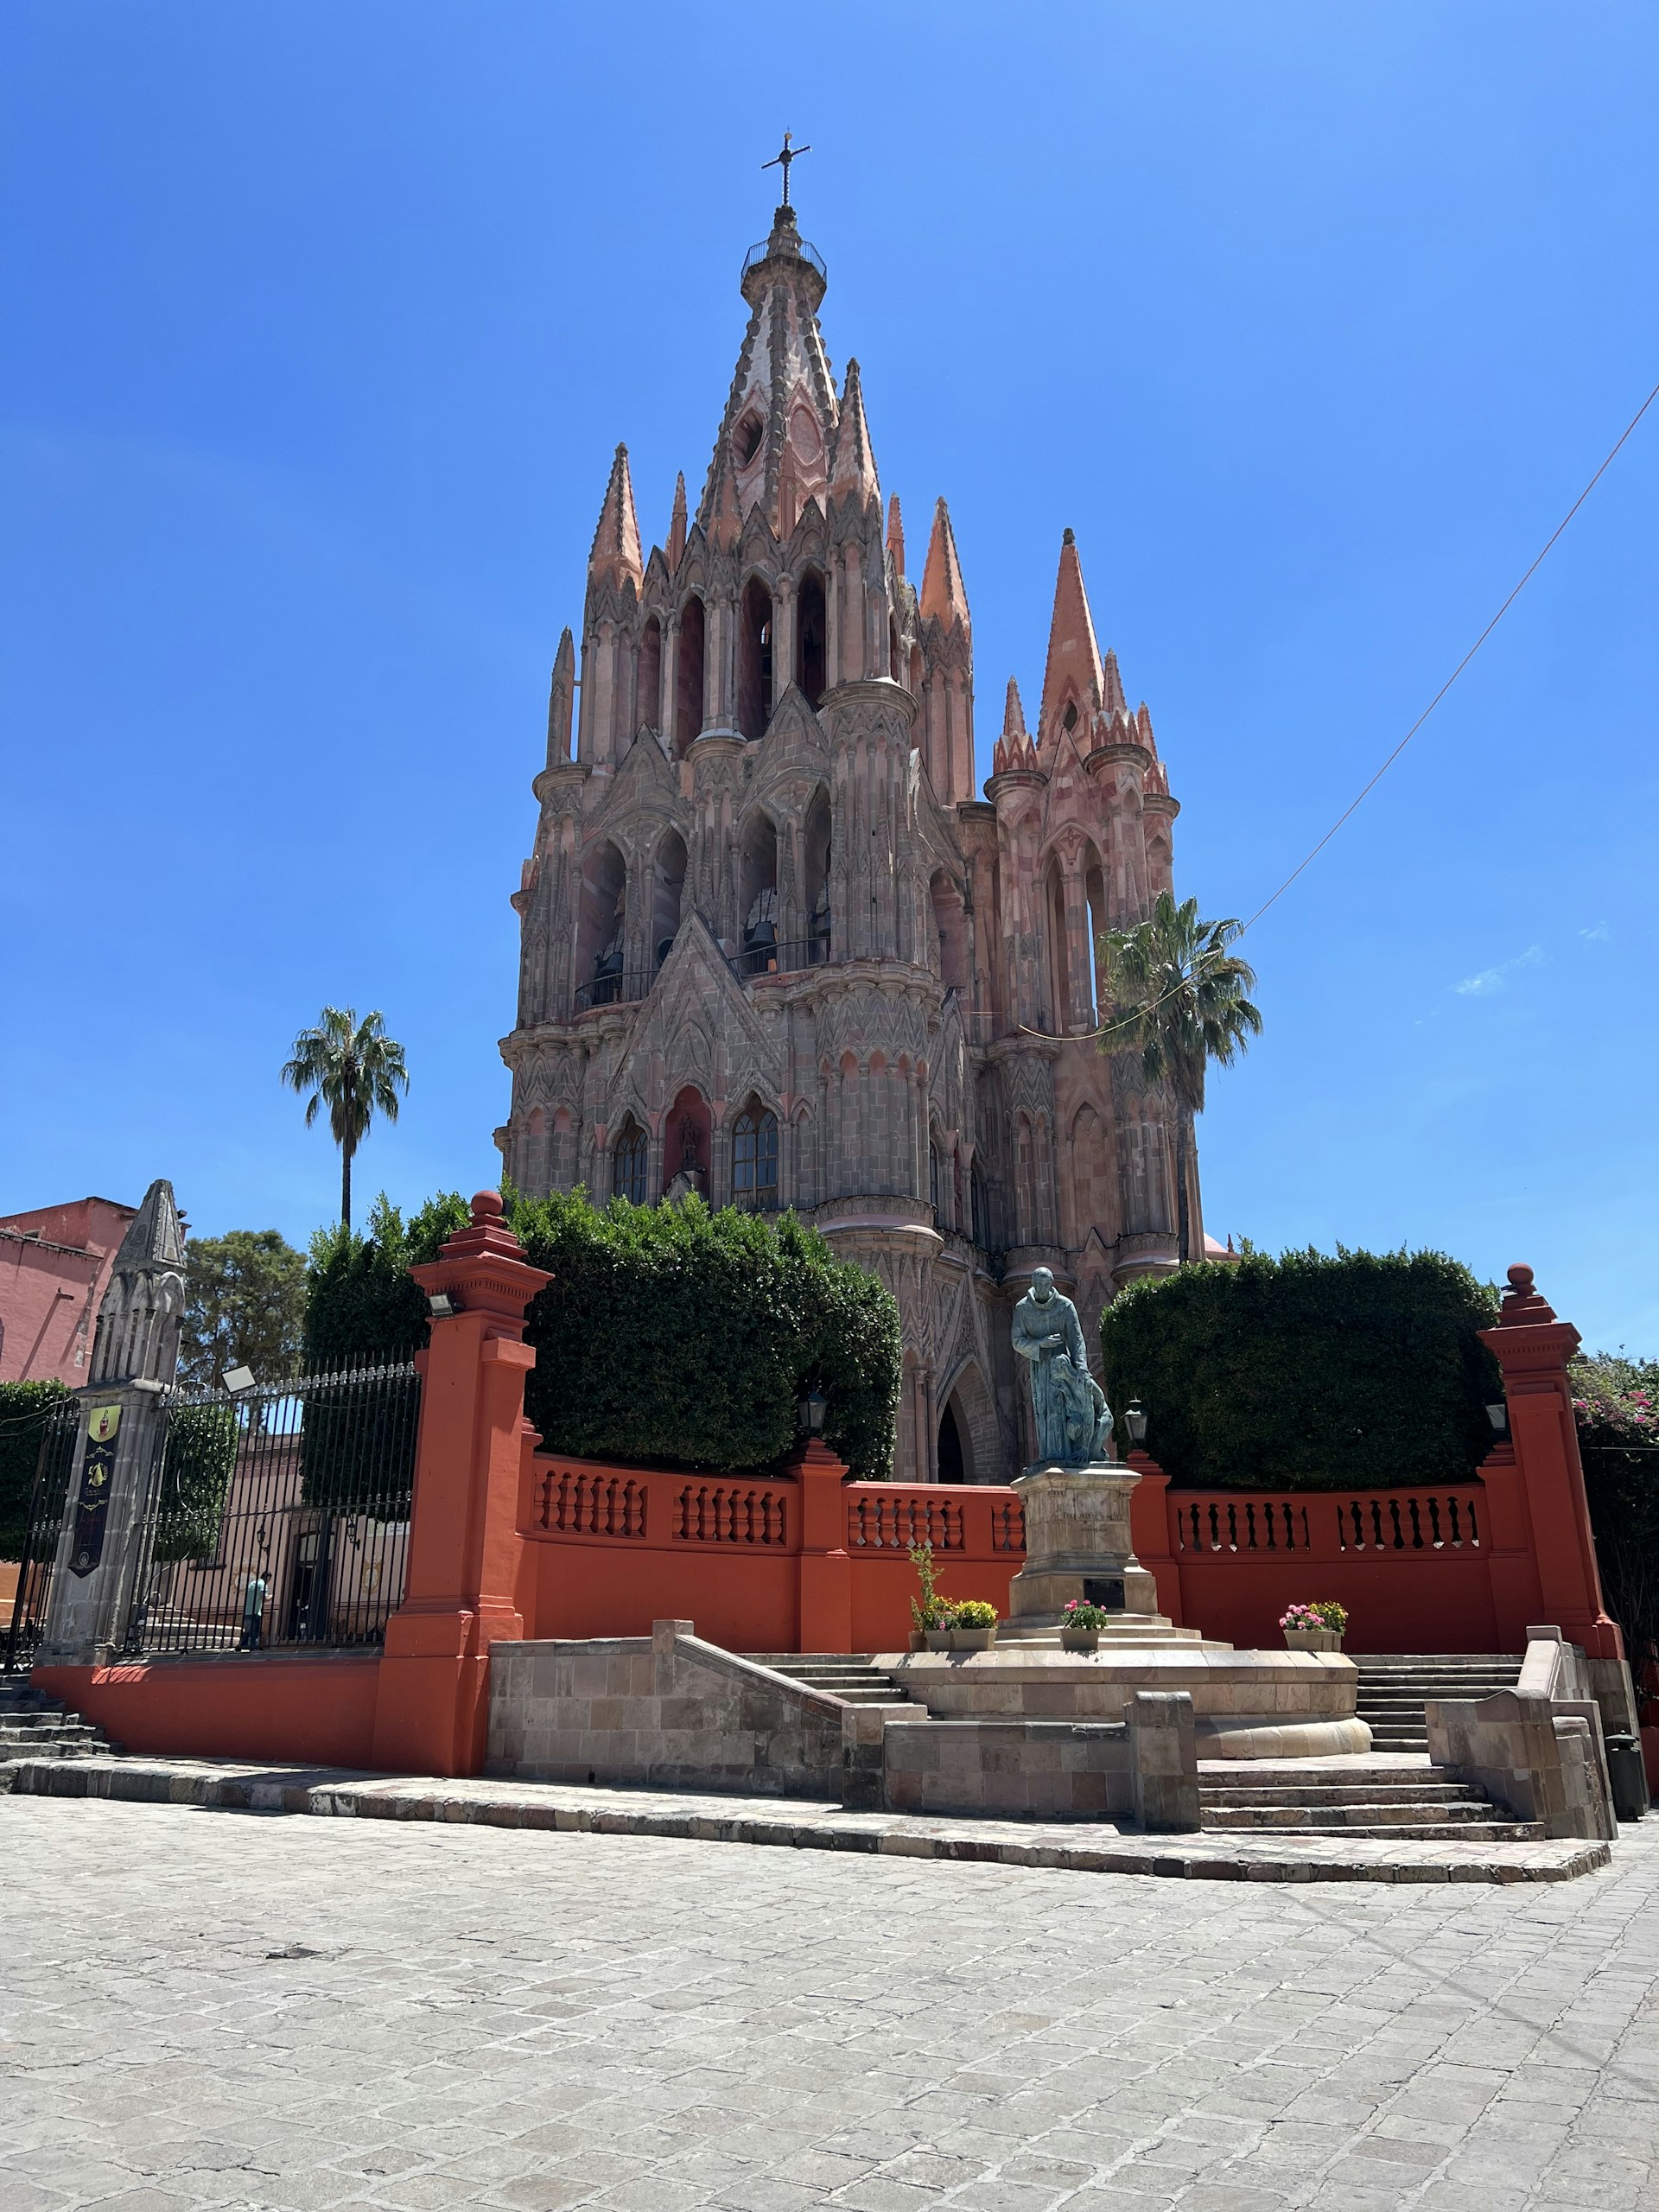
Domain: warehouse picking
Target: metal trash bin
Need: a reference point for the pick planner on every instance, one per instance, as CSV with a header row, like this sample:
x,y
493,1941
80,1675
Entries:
x,y
1628,1776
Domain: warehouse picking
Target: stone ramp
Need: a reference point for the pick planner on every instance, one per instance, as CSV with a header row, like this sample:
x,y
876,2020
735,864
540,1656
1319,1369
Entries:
x,y
1080,1847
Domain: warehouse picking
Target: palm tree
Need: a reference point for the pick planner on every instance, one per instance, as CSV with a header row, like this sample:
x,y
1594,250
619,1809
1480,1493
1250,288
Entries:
x,y
1178,997
353,1067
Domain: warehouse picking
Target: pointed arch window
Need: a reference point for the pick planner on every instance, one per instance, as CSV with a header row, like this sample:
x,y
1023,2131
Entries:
x,y
754,1157
628,1163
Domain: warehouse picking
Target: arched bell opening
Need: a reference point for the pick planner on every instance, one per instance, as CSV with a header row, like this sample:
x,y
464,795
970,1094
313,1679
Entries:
x,y
667,889
758,896
817,859
600,955
688,675
648,684
754,660
950,930
811,638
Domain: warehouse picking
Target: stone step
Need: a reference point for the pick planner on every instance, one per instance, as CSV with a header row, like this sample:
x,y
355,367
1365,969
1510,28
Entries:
x,y
1487,1831
1409,1791
849,1677
1472,1812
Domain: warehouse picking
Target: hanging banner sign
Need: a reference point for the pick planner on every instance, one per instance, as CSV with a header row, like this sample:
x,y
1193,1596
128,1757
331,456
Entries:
x,y
92,1505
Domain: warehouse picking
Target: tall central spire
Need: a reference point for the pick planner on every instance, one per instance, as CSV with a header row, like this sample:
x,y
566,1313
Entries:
x,y
778,434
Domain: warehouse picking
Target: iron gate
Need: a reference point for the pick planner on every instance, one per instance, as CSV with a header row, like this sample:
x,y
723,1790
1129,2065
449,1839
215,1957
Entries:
x,y
279,1515
53,1466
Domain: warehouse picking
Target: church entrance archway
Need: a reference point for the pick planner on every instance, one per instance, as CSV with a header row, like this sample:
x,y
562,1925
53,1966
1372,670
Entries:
x,y
953,1460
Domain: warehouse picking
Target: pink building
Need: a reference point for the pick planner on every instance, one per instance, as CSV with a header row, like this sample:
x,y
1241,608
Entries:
x,y
54,1269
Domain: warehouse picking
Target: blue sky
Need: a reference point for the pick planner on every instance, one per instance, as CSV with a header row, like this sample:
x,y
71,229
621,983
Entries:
x,y
322,320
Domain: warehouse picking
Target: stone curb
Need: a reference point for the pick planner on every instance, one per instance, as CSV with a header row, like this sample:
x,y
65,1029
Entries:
x,y
326,1794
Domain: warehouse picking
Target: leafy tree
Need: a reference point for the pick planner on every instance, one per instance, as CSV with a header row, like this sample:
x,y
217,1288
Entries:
x,y
355,1070
245,1306
1179,998
1309,1371
361,1306
201,1458
25,1410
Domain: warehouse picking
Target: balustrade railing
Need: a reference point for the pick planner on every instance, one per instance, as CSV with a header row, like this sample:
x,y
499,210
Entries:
x,y
1383,1524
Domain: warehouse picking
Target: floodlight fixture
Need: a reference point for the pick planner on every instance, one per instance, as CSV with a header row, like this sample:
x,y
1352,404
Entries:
x,y
441,1307
238,1379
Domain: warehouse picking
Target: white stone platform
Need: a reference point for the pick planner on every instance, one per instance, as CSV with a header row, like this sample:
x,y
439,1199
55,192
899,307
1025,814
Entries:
x,y
1248,1704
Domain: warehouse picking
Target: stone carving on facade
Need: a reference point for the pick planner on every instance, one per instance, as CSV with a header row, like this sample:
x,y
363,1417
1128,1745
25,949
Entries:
x,y
759,815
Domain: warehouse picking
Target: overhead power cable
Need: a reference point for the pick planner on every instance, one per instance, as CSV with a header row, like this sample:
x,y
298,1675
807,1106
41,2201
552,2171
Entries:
x,y
1366,792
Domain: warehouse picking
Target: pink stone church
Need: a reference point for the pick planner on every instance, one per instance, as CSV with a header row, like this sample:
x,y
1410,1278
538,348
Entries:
x,y
776,948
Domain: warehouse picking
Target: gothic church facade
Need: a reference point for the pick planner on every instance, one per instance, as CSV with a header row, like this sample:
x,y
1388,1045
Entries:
x,y
775,946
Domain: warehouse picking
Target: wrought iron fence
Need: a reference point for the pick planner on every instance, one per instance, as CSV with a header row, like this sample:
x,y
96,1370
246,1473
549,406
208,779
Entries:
x,y
61,1426
279,1516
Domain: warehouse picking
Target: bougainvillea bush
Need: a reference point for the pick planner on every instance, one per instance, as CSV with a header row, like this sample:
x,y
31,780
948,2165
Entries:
x,y
1616,1403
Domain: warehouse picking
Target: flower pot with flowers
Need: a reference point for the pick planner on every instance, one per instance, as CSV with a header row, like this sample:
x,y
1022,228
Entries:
x,y
973,1625
1317,1627
1080,1625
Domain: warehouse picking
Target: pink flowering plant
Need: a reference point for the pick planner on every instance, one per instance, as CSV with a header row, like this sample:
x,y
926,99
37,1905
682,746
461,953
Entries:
x,y
1324,1612
1079,1613
1616,1409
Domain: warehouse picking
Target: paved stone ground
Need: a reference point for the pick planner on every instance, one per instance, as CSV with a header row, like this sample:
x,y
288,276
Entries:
x,y
208,2008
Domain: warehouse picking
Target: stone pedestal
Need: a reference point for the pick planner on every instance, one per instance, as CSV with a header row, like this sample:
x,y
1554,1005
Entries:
x,y
1077,1546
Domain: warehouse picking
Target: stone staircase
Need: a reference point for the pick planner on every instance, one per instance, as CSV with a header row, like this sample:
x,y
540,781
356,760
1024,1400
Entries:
x,y
1392,1689
36,1726
849,1676
1404,1806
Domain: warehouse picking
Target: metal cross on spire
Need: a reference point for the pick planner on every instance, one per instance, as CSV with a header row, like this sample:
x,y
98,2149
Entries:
x,y
782,160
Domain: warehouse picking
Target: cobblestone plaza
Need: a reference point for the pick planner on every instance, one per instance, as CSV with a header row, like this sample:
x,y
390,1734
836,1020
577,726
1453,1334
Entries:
x,y
207,2008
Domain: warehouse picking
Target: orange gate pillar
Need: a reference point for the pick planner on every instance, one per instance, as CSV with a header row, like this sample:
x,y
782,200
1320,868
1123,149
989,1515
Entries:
x,y
825,1569
432,1708
1533,1347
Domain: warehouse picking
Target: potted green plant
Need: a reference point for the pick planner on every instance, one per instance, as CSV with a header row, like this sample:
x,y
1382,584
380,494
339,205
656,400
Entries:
x,y
1317,1627
1080,1625
973,1625
932,1618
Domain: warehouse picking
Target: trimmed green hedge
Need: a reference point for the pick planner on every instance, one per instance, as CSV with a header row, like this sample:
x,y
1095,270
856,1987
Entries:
x,y
669,1335
1308,1372
24,1410
678,1335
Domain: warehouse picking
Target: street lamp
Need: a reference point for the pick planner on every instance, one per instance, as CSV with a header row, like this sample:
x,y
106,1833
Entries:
x,y
812,1409
1135,1419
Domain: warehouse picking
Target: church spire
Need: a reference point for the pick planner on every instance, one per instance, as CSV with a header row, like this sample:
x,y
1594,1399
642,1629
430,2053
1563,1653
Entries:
x,y
895,536
1013,713
854,468
779,430
615,556
676,524
560,699
1072,676
943,593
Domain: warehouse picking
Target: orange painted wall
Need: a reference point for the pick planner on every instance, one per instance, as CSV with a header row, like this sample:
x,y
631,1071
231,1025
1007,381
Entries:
x,y
315,1711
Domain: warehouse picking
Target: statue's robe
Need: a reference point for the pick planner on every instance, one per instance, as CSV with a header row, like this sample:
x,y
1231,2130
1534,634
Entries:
x,y
1072,1423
